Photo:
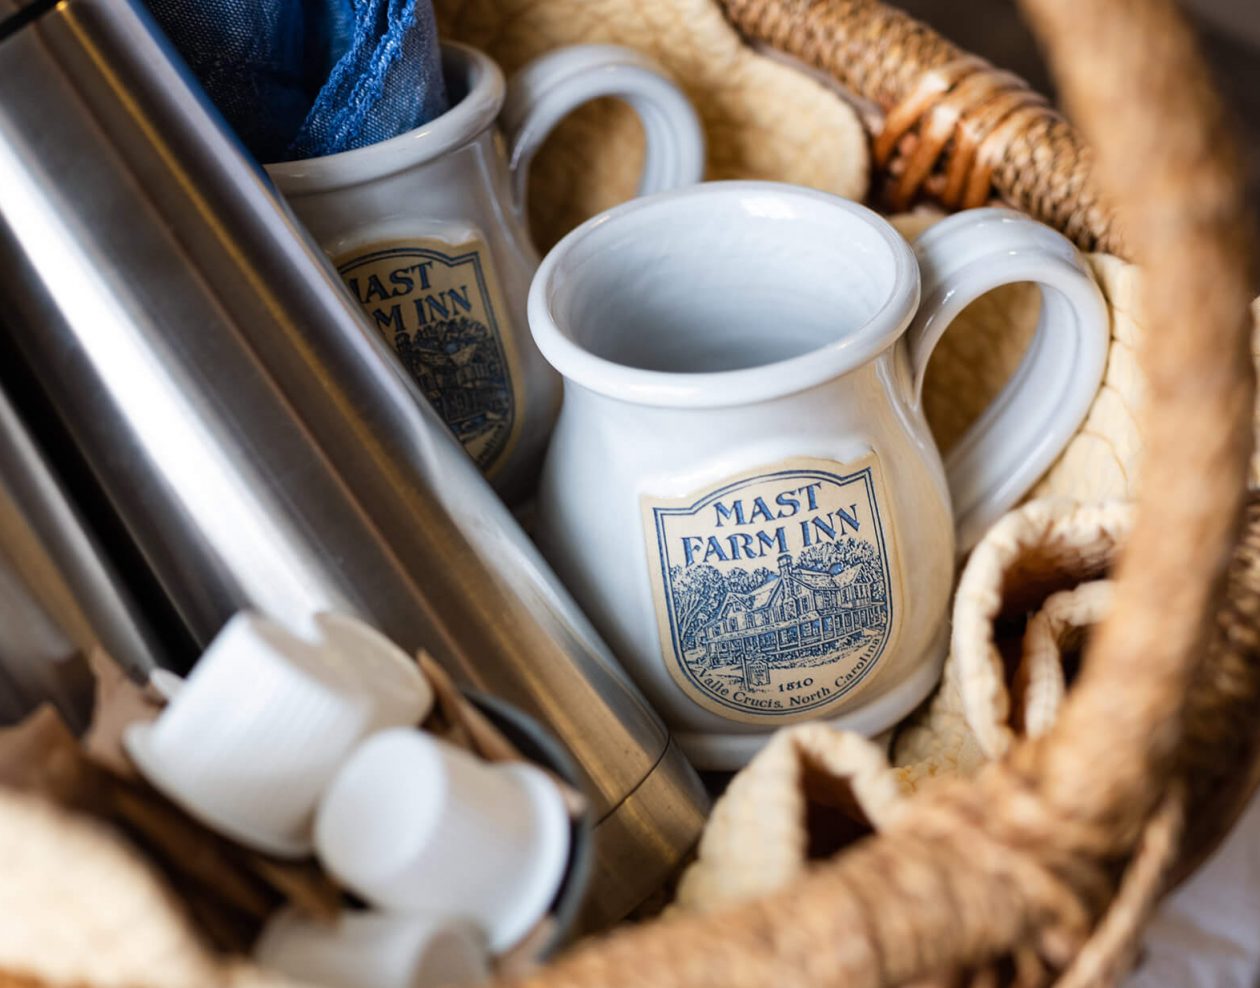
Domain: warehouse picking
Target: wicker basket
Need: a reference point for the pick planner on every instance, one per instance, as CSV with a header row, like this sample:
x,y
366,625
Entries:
x,y
1041,868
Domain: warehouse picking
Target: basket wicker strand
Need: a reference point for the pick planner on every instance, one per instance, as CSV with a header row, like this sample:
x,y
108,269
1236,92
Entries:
x,y
955,129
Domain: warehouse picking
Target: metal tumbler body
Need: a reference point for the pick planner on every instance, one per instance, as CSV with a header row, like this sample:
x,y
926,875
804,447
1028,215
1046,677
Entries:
x,y
254,440
47,624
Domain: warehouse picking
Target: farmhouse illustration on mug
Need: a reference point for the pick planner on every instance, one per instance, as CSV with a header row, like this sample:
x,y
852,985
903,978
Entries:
x,y
437,309
774,590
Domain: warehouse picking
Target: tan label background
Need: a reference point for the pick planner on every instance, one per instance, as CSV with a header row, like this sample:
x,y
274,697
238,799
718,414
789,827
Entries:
x,y
439,306
775,590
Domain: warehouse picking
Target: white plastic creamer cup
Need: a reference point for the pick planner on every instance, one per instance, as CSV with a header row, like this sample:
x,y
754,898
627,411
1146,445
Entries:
x,y
412,823
165,683
403,696
375,950
252,738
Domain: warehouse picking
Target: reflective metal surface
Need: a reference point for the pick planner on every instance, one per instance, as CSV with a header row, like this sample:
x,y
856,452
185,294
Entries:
x,y
49,547
254,442
44,633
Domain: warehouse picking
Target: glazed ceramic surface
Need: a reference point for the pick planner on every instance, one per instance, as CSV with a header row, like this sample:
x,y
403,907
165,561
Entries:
x,y
742,489
428,232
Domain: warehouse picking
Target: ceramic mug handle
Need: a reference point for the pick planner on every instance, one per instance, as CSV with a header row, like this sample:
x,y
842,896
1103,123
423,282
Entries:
x,y
1019,435
549,88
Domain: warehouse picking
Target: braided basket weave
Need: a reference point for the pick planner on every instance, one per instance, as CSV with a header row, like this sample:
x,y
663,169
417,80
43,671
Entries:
x,y
1041,869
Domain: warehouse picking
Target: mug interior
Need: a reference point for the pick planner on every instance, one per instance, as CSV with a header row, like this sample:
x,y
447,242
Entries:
x,y
460,73
724,277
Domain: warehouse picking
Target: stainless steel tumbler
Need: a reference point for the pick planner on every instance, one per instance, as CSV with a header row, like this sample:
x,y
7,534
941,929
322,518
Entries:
x,y
252,441
58,574
58,594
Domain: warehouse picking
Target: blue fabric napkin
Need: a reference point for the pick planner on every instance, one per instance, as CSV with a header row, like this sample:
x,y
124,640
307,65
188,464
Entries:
x,y
304,78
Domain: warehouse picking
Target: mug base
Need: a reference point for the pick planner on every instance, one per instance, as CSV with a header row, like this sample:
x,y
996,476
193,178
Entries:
x,y
729,752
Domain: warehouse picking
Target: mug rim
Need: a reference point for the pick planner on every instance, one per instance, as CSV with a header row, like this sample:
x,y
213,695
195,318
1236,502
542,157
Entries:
x,y
468,118
712,389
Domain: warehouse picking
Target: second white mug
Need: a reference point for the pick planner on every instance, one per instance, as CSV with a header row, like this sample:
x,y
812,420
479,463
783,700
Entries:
x,y
742,489
429,232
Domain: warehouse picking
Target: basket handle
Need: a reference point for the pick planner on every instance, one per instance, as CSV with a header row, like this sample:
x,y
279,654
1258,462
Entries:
x,y
955,129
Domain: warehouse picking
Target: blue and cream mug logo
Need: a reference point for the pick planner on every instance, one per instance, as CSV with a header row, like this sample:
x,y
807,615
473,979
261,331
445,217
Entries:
x,y
774,590
438,305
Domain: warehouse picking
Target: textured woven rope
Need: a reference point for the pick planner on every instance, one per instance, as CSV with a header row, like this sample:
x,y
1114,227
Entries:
x,y
1054,854
957,129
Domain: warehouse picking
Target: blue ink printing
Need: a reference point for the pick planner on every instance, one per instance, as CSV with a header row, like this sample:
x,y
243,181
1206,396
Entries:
x,y
435,309
776,590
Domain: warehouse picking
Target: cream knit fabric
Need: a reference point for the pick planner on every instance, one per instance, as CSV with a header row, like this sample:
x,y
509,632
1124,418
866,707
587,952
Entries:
x,y
80,907
762,118
1046,558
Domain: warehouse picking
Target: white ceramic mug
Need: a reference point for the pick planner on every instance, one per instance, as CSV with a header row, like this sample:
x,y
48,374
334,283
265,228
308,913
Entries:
x,y
429,232
742,489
